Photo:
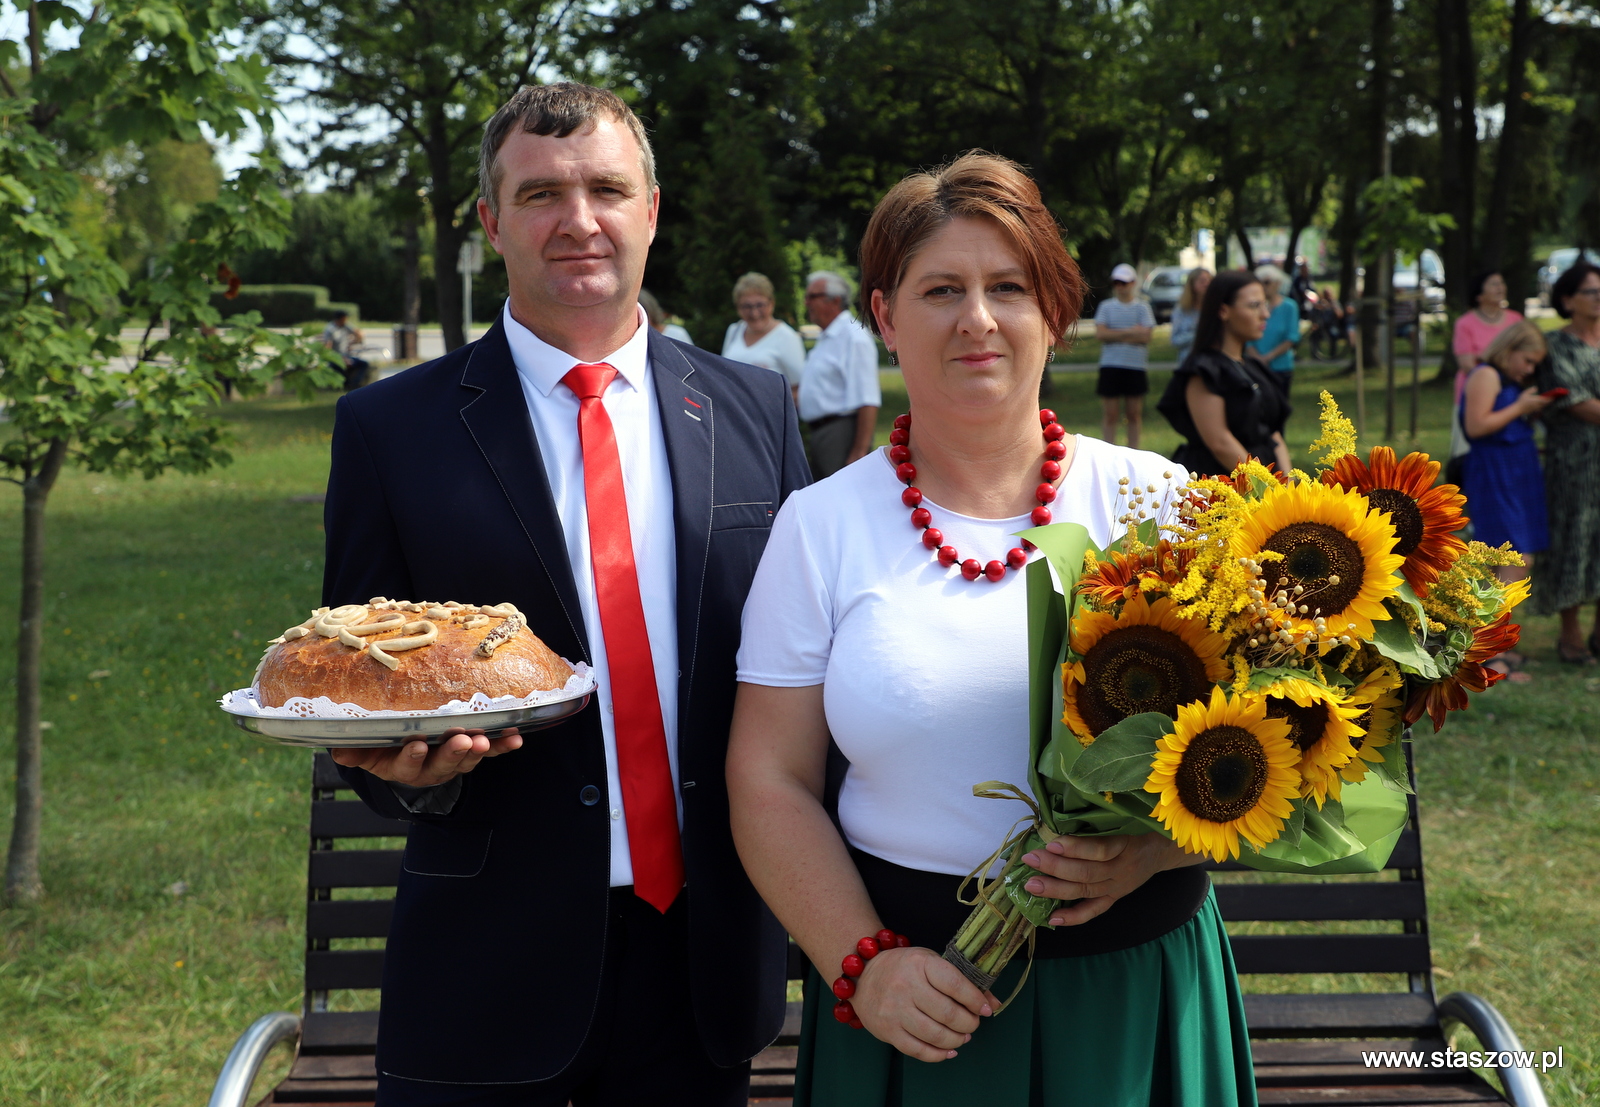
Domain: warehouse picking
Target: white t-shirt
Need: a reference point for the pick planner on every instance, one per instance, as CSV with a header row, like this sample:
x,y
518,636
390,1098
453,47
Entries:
x,y
924,674
780,350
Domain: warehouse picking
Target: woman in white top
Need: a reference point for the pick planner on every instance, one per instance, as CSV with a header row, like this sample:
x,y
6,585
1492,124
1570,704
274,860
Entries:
x,y
760,338
906,645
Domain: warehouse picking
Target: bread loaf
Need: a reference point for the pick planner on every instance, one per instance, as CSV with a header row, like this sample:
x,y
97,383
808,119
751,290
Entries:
x,y
394,655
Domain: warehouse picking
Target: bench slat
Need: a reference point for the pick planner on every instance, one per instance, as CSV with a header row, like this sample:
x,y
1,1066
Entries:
x,y
352,819
339,1032
325,774
1392,1095
355,868
1347,1015
1407,855
1401,899
349,918
1291,1052
313,1092
334,1066
343,968
1296,953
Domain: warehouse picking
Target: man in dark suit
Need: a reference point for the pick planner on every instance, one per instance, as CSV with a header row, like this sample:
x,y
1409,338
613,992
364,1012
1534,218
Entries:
x,y
572,922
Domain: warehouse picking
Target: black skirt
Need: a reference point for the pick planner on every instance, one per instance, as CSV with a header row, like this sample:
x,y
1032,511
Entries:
x,y
923,907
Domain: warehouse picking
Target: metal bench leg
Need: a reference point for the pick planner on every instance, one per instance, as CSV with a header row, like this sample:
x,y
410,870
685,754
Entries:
x,y
1481,1017
244,1060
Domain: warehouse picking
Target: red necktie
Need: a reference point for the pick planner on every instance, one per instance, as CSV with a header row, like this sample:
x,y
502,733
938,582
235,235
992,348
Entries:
x,y
642,763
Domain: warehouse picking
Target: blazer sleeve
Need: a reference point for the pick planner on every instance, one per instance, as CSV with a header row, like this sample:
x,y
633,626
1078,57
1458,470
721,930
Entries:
x,y
364,556
363,559
796,469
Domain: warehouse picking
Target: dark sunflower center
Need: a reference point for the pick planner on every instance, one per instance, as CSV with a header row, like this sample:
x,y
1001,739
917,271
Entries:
x,y
1364,721
1223,773
1403,513
1306,724
1313,553
1136,669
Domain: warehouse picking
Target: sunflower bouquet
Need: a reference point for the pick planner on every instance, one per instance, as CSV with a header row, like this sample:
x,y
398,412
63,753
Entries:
x,y
1235,673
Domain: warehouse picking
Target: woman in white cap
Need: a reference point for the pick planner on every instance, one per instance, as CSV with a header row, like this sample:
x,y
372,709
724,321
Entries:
x,y
1276,346
1123,326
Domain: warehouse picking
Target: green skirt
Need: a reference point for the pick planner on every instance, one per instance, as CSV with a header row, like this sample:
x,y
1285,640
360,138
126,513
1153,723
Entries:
x,y
1158,1024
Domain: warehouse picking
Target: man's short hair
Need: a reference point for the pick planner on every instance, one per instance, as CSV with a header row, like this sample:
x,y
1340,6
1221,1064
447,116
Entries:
x,y
558,109
833,284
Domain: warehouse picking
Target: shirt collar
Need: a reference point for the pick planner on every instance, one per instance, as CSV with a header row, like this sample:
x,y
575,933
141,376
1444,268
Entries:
x,y
841,323
544,365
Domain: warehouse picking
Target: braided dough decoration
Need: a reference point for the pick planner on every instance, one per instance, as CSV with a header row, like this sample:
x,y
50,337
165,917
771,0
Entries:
x,y
403,656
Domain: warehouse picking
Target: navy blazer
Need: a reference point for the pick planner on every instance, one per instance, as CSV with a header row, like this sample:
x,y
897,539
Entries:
x,y
437,492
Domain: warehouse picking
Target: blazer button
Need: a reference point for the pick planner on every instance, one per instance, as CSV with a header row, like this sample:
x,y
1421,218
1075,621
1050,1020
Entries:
x,y
589,796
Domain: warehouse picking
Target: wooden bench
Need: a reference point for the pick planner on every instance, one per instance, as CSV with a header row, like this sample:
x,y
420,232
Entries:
x,y
1307,1045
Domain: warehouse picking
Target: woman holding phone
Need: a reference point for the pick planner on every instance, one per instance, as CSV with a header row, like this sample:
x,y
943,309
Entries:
x,y
1498,406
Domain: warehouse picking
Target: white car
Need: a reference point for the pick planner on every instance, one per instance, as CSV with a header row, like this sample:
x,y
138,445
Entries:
x,y
1162,287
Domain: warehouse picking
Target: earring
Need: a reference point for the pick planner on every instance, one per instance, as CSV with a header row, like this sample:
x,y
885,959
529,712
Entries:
x,y
894,358
1050,357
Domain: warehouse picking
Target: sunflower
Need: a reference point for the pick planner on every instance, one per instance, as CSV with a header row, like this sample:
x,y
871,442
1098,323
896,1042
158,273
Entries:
x,y
1111,579
1425,518
1145,658
1321,725
1379,718
1450,694
1334,548
1226,770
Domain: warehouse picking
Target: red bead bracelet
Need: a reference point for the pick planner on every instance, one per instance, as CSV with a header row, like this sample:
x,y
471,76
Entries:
x,y
922,518
855,964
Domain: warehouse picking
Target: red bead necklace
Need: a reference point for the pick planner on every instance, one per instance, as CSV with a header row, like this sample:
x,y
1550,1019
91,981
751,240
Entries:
x,y
922,518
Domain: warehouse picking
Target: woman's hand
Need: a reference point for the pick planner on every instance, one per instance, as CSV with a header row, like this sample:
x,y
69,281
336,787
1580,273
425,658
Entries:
x,y
1531,403
1099,871
919,1003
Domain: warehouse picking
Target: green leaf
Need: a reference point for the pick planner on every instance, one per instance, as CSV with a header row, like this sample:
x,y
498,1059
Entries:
x,y
1121,757
1295,826
1394,640
1405,595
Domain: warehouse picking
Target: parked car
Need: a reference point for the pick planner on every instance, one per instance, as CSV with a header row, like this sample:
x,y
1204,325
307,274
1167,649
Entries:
x,y
1162,288
1558,263
1426,269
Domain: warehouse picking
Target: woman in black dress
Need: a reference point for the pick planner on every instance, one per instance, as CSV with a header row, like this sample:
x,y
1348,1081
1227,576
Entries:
x,y
1224,401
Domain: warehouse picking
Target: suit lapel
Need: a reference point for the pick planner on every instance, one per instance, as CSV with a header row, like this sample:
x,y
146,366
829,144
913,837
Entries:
x,y
496,415
688,428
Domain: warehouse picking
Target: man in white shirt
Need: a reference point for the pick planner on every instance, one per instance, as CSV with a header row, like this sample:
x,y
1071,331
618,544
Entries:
x,y
839,393
561,893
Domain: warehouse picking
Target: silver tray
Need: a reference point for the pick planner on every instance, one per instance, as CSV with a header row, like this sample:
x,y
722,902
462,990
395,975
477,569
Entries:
x,y
379,733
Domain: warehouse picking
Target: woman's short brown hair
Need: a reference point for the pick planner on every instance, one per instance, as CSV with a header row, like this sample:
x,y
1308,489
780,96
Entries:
x,y
975,185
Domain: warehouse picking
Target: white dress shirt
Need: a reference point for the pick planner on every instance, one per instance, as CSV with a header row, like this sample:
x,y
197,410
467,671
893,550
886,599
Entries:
x,y
631,402
841,372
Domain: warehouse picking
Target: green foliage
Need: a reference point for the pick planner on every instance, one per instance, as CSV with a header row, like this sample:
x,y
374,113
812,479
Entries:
x,y
719,84
1394,221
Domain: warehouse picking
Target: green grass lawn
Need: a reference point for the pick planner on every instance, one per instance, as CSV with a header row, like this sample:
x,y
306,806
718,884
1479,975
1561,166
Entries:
x,y
174,856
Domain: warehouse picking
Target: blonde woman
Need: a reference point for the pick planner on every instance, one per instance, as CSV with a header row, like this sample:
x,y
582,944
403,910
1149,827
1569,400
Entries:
x,y
1501,473
761,338
1186,316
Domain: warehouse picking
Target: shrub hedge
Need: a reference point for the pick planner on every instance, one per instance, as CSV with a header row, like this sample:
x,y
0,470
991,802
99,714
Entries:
x,y
283,305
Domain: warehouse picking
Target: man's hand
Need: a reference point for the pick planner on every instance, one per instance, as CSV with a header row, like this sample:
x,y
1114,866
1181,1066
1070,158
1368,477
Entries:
x,y
421,766
1099,871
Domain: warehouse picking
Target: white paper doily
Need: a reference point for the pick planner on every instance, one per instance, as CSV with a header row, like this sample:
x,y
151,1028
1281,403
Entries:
x,y
243,701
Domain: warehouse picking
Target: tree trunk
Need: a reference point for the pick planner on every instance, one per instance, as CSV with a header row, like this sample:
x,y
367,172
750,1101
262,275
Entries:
x,y
1458,144
411,295
447,239
1506,158
22,859
1349,234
